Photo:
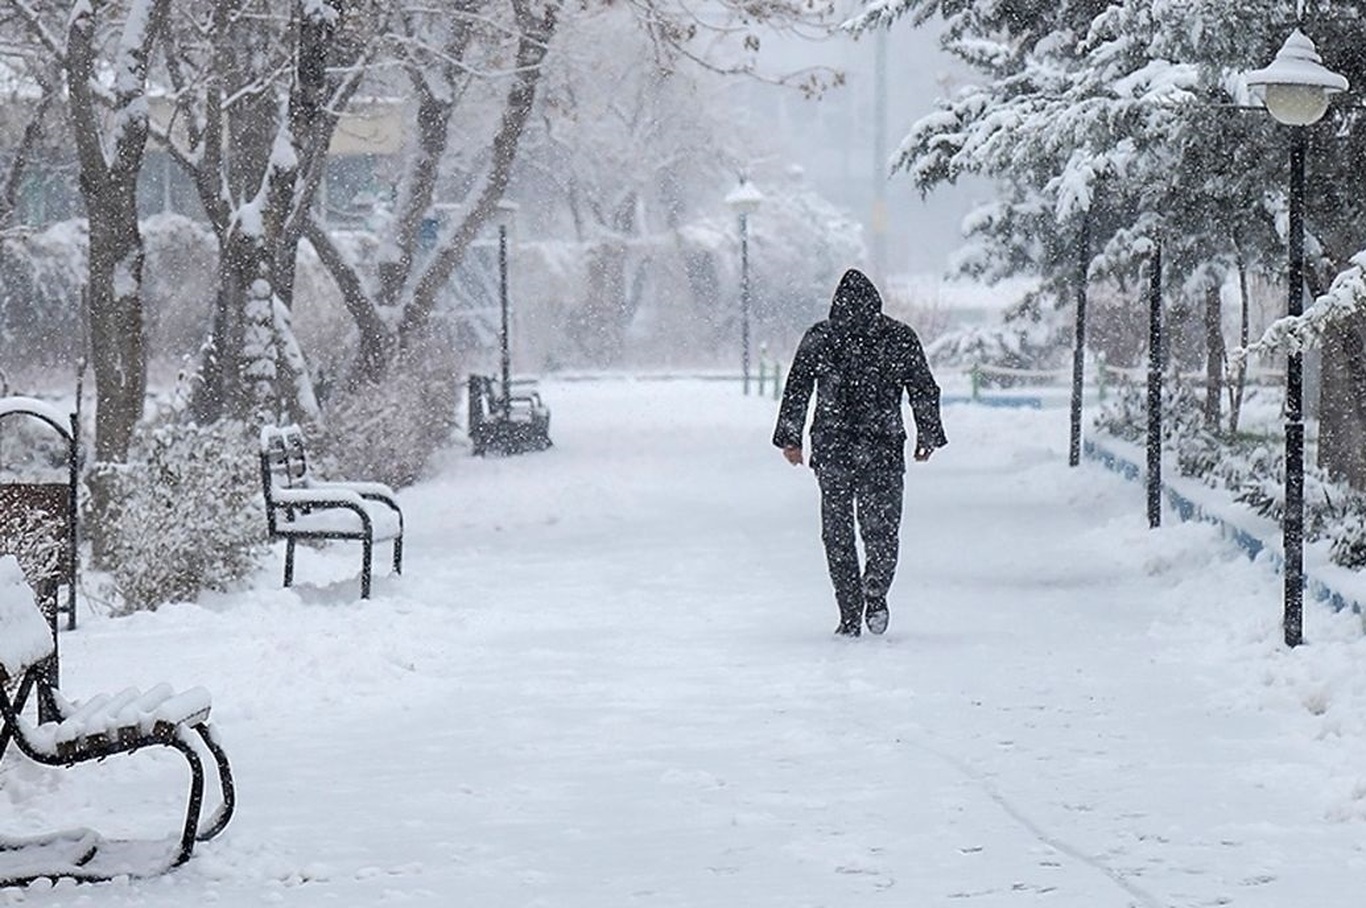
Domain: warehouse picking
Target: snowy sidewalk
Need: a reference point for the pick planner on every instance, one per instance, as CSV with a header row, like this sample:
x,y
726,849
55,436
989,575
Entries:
x,y
608,679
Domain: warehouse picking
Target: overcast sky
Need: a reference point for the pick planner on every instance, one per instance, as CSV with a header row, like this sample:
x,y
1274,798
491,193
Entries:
x,y
833,138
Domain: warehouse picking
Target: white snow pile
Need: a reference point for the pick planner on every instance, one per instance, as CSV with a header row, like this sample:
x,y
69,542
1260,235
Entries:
x,y
24,635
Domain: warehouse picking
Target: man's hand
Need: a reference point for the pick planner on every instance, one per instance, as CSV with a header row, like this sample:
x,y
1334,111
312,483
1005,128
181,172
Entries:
x,y
793,453
922,453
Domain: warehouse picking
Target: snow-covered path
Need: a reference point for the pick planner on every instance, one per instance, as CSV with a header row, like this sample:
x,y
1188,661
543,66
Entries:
x,y
608,679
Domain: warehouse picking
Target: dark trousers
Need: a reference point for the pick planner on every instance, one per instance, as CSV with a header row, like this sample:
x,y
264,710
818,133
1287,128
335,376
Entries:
x,y
873,497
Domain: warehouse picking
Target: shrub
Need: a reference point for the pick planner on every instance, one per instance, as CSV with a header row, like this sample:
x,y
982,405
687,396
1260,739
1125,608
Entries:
x,y
186,514
1249,467
29,538
388,431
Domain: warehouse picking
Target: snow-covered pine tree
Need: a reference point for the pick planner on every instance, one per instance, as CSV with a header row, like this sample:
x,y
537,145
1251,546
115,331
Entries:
x,y
1135,110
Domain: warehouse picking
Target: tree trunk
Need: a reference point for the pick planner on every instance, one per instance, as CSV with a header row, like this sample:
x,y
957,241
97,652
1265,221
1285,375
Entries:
x,y
1235,406
109,168
114,301
1214,356
222,394
252,367
1342,402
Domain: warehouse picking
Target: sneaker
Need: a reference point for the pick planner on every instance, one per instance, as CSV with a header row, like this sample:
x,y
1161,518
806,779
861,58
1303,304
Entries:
x,y
875,613
847,630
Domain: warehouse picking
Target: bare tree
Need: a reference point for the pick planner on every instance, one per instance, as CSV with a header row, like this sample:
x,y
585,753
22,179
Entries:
x,y
480,41
257,91
394,312
109,125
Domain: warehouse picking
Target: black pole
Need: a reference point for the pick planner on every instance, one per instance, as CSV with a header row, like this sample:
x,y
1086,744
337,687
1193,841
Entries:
x,y
1079,347
1155,389
744,299
1293,522
503,303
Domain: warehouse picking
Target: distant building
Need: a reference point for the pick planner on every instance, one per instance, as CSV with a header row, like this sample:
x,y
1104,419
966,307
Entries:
x,y
370,134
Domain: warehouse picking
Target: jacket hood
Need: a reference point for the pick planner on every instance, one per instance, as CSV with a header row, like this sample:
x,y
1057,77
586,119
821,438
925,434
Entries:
x,y
856,300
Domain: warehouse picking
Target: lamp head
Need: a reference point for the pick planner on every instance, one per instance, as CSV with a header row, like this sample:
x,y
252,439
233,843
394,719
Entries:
x,y
505,214
1296,85
745,198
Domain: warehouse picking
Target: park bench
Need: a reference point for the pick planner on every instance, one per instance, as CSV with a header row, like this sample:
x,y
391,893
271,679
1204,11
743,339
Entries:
x,y
95,729
300,506
511,423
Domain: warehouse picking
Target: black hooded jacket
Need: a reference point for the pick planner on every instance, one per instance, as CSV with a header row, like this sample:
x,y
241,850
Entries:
x,y
859,361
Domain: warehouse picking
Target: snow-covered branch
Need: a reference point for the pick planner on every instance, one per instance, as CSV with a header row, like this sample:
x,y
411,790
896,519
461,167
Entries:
x,y
1295,334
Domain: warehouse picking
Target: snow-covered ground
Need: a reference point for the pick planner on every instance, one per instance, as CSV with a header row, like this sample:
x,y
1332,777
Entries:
x,y
607,678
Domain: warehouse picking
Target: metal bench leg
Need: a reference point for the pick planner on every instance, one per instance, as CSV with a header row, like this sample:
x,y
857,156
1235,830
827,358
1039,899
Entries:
x,y
196,803
289,562
398,555
368,546
220,818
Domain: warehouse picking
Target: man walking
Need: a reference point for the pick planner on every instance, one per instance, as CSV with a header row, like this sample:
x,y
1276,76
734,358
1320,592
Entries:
x,y
859,362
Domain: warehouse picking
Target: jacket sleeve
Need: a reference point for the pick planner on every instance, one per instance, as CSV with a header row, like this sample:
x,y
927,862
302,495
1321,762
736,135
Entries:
x,y
801,379
923,392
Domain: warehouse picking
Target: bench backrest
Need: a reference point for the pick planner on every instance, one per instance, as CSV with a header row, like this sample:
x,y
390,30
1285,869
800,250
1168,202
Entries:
x,y
25,635
284,463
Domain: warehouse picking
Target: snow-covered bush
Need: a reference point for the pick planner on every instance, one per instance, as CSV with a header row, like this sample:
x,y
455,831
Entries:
x,y
388,432
29,538
1032,335
41,276
1248,466
1125,414
1349,540
187,513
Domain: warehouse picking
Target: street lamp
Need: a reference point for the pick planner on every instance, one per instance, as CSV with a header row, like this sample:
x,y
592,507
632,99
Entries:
x,y
503,217
1296,87
1079,337
744,200
1155,352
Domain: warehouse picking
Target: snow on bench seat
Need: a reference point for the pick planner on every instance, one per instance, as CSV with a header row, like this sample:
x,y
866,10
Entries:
x,y
119,718
385,522
27,857
26,638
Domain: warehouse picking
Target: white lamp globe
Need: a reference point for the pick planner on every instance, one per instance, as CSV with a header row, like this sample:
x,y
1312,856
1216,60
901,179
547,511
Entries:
x,y
1296,85
1296,105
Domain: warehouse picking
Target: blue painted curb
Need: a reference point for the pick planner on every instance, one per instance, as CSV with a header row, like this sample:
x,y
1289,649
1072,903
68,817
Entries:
x,y
995,400
1188,510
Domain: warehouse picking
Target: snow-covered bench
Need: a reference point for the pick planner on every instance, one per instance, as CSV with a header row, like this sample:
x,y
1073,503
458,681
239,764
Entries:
x,y
94,729
299,506
506,424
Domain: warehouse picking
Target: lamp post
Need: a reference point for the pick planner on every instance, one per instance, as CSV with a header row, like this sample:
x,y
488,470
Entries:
x,y
744,200
1079,338
1155,352
503,218
1296,87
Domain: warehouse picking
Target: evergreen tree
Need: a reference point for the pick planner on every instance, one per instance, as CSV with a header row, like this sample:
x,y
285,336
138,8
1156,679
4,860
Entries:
x,y
1137,112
